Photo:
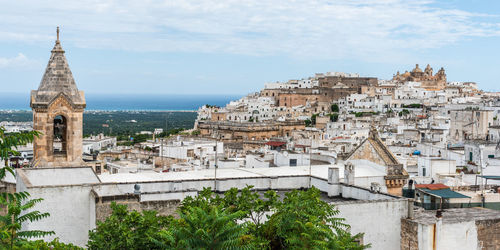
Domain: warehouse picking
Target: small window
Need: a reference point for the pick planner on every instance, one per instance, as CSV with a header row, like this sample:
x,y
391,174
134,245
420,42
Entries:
x,y
293,162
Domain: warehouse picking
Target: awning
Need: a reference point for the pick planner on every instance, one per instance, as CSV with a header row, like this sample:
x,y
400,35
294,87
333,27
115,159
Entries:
x,y
444,193
491,177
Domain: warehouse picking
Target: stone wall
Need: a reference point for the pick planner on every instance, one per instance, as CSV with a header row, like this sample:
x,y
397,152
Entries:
x,y
166,207
367,152
488,234
238,132
43,121
409,235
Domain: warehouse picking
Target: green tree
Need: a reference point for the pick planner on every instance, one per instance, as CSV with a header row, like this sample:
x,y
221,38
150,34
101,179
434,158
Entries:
x,y
42,245
138,138
313,119
404,112
250,202
131,230
18,205
237,219
253,206
335,108
205,199
9,142
308,122
211,228
304,221
334,117
18,212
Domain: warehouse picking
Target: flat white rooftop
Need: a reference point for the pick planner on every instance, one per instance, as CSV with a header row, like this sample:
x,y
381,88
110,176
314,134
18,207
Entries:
x,y
363,169
58,176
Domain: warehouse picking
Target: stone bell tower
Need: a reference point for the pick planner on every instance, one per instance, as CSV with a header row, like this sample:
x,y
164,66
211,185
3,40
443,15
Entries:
x,y
58,114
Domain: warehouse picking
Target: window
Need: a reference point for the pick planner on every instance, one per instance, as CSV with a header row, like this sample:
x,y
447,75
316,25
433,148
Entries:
x,y
59,139
293,162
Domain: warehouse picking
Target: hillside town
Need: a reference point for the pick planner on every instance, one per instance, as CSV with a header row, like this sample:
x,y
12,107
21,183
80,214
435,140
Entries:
x,y
411,162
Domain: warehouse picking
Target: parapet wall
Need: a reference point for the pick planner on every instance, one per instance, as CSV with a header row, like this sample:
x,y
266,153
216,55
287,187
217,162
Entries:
x,y
165,207
179,189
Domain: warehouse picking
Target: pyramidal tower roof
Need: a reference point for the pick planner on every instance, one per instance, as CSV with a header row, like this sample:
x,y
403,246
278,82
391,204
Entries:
x,y
57,80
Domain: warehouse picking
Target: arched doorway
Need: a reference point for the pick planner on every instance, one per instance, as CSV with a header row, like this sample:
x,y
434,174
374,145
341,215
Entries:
x,y
60,135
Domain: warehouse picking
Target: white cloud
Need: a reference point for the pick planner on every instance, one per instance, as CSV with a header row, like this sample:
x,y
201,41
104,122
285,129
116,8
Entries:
x,y
17,61
371,30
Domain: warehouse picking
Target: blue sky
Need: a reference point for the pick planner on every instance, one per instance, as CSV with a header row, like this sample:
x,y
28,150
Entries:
x,y
235,47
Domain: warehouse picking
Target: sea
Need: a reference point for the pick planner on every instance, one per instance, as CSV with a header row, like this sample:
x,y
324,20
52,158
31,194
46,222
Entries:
x,y
128,102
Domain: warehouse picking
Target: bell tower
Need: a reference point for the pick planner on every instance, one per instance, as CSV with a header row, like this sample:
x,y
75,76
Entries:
x,y
58,114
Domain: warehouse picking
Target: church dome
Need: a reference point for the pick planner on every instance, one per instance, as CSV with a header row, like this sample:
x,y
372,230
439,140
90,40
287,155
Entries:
x,y
416,69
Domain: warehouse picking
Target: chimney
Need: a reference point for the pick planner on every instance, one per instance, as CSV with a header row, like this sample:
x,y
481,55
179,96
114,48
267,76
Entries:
x,y
333,181
439,213
349,173
411,213
333,175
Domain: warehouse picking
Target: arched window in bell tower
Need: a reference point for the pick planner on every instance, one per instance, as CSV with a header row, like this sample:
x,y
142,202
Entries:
x,y
60,135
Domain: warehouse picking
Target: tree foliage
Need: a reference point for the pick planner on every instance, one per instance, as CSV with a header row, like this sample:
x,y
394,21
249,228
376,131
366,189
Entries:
x,y
335,108
42,245
210,228
308,122
334,117
237,219
313,119
404,112
130,230
303,221
18,206
18,212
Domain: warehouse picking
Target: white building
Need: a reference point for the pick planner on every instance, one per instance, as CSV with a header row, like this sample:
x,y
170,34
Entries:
x,y
192,149
98,143
76,196
435,167
287,158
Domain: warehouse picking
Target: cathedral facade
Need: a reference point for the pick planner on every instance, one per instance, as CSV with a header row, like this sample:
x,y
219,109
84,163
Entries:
x,y
426,77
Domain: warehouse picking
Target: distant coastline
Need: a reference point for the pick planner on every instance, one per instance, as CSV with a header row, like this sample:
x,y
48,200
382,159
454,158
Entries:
x,y
127,102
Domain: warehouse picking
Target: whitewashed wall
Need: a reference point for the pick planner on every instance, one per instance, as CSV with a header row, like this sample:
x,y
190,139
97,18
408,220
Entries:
x,y
72,212
379,220
462,235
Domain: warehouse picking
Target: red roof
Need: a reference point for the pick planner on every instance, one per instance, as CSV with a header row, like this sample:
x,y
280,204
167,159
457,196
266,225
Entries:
x,y
275,143
436,186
